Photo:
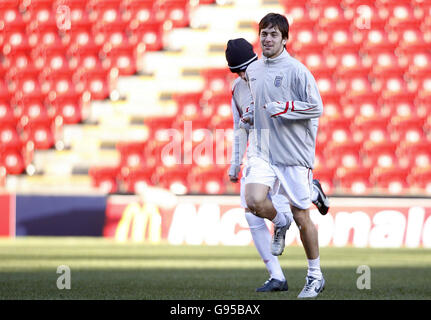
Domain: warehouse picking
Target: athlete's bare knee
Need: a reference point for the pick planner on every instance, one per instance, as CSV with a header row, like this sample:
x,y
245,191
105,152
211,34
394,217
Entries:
x,y
255,202
301,217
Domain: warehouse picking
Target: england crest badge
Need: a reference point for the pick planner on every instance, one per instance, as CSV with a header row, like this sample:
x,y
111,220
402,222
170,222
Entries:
x,y
278,81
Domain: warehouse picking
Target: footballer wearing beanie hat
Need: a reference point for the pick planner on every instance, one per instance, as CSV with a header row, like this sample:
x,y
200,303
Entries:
x,y
239,54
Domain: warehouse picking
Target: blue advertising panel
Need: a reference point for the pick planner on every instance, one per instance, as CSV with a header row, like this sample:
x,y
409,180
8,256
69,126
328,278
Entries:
x,y
38,215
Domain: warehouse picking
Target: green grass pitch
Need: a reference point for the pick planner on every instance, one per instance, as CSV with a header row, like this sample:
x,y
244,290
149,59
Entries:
x,y
103,269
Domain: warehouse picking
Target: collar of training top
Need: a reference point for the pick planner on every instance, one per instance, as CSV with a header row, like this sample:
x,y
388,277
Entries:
x,y
282,55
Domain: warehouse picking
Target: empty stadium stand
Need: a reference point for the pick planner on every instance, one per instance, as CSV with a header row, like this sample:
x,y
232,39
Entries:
x,y
112,95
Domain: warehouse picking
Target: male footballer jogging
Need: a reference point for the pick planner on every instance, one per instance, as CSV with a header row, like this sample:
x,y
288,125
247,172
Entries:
x,y
287,105
239,54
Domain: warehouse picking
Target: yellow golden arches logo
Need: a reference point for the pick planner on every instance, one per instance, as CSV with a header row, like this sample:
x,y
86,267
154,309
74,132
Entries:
x,y
141,219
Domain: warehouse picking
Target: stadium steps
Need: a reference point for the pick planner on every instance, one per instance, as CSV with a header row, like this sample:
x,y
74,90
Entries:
x,y
51,184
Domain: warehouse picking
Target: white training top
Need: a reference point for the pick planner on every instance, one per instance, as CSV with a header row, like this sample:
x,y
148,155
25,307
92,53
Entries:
x,y
287,107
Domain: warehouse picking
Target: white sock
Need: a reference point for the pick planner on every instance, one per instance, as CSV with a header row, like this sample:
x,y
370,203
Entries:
x,y
262,241
289,216
274,269
279,220
314,268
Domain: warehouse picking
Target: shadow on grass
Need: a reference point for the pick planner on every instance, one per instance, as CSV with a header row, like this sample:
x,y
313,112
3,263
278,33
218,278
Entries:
x,y
208,284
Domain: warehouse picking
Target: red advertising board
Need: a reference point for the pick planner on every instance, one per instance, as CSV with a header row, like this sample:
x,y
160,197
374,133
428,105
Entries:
x,y
7,215
359,222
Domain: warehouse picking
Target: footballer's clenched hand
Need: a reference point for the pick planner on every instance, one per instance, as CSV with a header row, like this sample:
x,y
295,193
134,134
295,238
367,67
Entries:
x,y
233,172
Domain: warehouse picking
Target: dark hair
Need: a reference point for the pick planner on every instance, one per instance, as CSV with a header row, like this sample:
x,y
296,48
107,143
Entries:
x,y
275,20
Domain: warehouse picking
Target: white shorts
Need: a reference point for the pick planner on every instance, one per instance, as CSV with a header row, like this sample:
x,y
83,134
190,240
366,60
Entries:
x,y
277,195
295,180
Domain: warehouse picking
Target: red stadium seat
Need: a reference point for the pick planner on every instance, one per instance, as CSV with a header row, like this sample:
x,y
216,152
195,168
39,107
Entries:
x,y
140,11
355,180
132,154
401,15
322,6
320,65
306,41
377,41
17,57
220,105
9,4
175,179
343,42
113,34
420,180
327,88
201,2
5,95
149,33
105,12
54,58
351,65
80,34
124,58
422,83
380,154
412,41
364,109
332,17
415,154
26,84
391,180
211,180
165,153
419,65
12,160
288,5
337,130
157,124
217,79
387,64
366,17
86,56
7,114
14,37
99,83
401,107
407,128
47,42
175,12
10,16
68,107
319,158
30,110
345,154
9,136
333,108
354,85
188,104
59,80
371,129
390,85
41,133
299,14
137,179
105,178
222,123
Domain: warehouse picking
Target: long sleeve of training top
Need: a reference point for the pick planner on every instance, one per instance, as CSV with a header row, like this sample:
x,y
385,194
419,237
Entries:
x,y
241,100
309,107
287,108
